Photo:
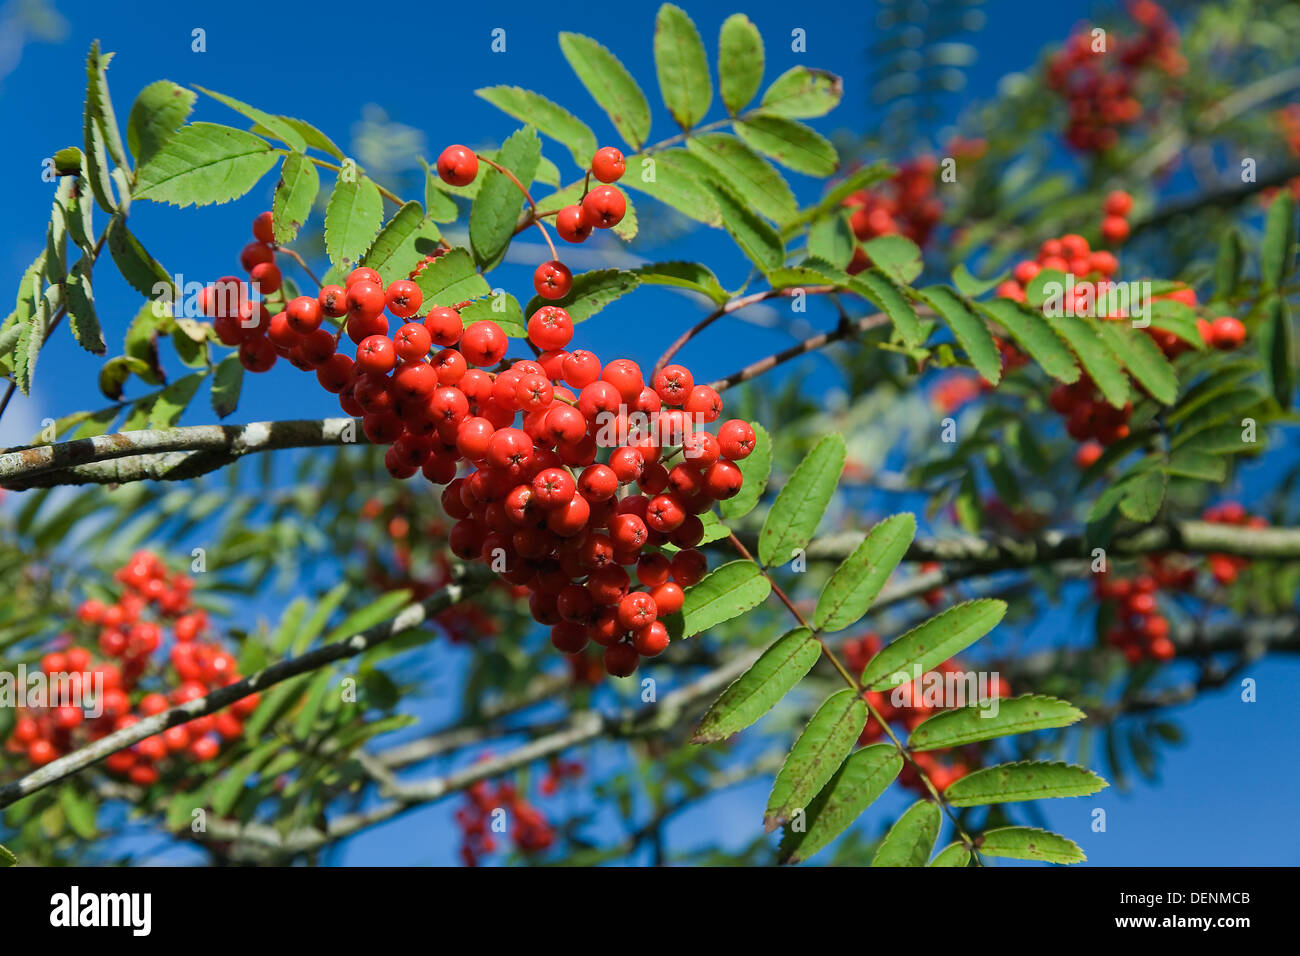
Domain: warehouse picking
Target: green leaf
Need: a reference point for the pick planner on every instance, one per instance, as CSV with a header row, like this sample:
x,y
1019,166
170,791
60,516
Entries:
x,y
965,725
159,110
204,163
954,854
1030,843
1142,496
859,781
79,810
141,271
502,308
451,278
752,178
756,691
740,62
1026,780
173,400
1085,339
295,194
1191,463
97,96
792,144
971,331
757,240
816,755
727,591
678,182
610,85
382,609
800,93
495,211
798,509
226,383
274,125
402,243
1228,263
591,292
756,469
684,275
142,340
230,786
314,137
317,690
1143,358
1035,336
880,290
831,240
896,256
856,583
1277,254
7,857
1277,346
910,841
352,219
682,66
929,644
1175,317
970,286
81,310
549,118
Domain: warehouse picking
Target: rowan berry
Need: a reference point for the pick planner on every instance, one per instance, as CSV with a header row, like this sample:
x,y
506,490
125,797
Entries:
x,y
484,343
403,298
550,328
263,228
552,280
608,164
572,224
604,207
457,165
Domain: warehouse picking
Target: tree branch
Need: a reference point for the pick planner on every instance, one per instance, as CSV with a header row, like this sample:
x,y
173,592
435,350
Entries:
x,y
164,453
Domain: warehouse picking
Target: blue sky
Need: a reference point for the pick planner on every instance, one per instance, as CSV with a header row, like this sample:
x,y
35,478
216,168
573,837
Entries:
x,y
1225,797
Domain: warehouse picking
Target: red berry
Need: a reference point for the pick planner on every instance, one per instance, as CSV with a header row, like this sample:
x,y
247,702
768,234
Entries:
x,y
550,328
333,300
608,164
651,640
736,439
303,314
1114,230
1227,333
363,274
255,254
552,280
257,354
376,355
621,660
604,207
365,300
412,342
444,325
403,298
1118,203
484,343
572,224
266,276
458,166
262,228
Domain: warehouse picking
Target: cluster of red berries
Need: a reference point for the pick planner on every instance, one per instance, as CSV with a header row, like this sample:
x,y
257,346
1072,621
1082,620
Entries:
x,y
905,205
130,631
530,831
943,767
1100,88
1140,630
538,506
